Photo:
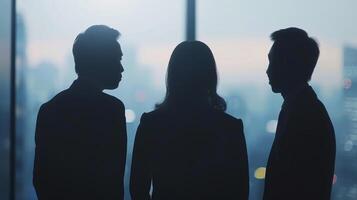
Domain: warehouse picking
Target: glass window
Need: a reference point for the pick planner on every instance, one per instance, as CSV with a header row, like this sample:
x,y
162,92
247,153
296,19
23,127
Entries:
x,y
5,64
238,33
46,31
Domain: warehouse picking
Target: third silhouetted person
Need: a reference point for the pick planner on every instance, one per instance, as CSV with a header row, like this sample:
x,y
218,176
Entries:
x,y
302,157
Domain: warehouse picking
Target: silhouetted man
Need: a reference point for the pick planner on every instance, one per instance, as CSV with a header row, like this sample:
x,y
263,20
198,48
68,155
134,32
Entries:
x,y
81,132
301,161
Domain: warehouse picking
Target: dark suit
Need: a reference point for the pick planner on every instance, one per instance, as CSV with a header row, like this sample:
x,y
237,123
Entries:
x,y
302,158
80,145
189,153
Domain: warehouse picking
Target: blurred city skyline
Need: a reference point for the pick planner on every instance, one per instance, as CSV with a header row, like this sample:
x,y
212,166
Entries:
x,y
237,32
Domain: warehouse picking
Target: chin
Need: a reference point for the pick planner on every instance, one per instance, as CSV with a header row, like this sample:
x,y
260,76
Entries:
x,y
275,89
112,86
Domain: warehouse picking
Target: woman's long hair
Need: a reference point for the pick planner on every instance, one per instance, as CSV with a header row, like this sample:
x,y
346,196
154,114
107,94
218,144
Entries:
x,y
192,77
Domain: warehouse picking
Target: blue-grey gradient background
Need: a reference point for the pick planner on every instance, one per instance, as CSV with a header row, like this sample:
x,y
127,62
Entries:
x,y
238,33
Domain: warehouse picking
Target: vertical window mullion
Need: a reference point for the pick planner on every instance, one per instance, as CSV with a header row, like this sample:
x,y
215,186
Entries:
x,y
191,20
12,173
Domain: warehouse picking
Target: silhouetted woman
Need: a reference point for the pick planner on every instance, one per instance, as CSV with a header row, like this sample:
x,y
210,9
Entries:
x,y
189,148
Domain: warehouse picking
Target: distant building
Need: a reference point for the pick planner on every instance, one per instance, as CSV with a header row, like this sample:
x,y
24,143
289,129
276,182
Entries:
x,y
350,97
346,167
350,71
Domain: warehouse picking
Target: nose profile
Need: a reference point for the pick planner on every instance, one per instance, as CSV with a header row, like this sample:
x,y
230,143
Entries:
x,y
121,68
268,71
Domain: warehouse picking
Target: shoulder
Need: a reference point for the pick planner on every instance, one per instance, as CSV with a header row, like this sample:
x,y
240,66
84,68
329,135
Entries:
x,y
309,104
229,119
50,108
229,127
153,116
113,101
311,118
56,101
68,98
320,116
311,109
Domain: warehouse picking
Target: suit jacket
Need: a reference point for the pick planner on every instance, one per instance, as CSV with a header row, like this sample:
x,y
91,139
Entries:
x,y
80,145
302,158
189,153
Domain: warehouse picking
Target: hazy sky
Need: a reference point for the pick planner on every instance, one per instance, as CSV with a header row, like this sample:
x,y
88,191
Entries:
x,y
236,30
333,19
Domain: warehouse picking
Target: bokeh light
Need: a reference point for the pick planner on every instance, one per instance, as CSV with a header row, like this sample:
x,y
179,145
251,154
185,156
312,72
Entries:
x,y
260,173
271,126
130,116
347,83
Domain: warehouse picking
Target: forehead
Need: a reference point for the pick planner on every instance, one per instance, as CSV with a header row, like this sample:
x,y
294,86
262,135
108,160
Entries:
x,y
118,50
273,48
276,50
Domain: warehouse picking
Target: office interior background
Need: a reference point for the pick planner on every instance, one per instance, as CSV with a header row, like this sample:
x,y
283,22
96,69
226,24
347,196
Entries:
x,y
237,31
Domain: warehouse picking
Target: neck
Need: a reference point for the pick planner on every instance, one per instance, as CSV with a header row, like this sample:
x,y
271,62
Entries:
x,y
89,83
293,91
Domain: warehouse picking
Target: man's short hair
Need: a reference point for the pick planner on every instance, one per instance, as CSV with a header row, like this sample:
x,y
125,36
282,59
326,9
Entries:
x,y
300,50
93,46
